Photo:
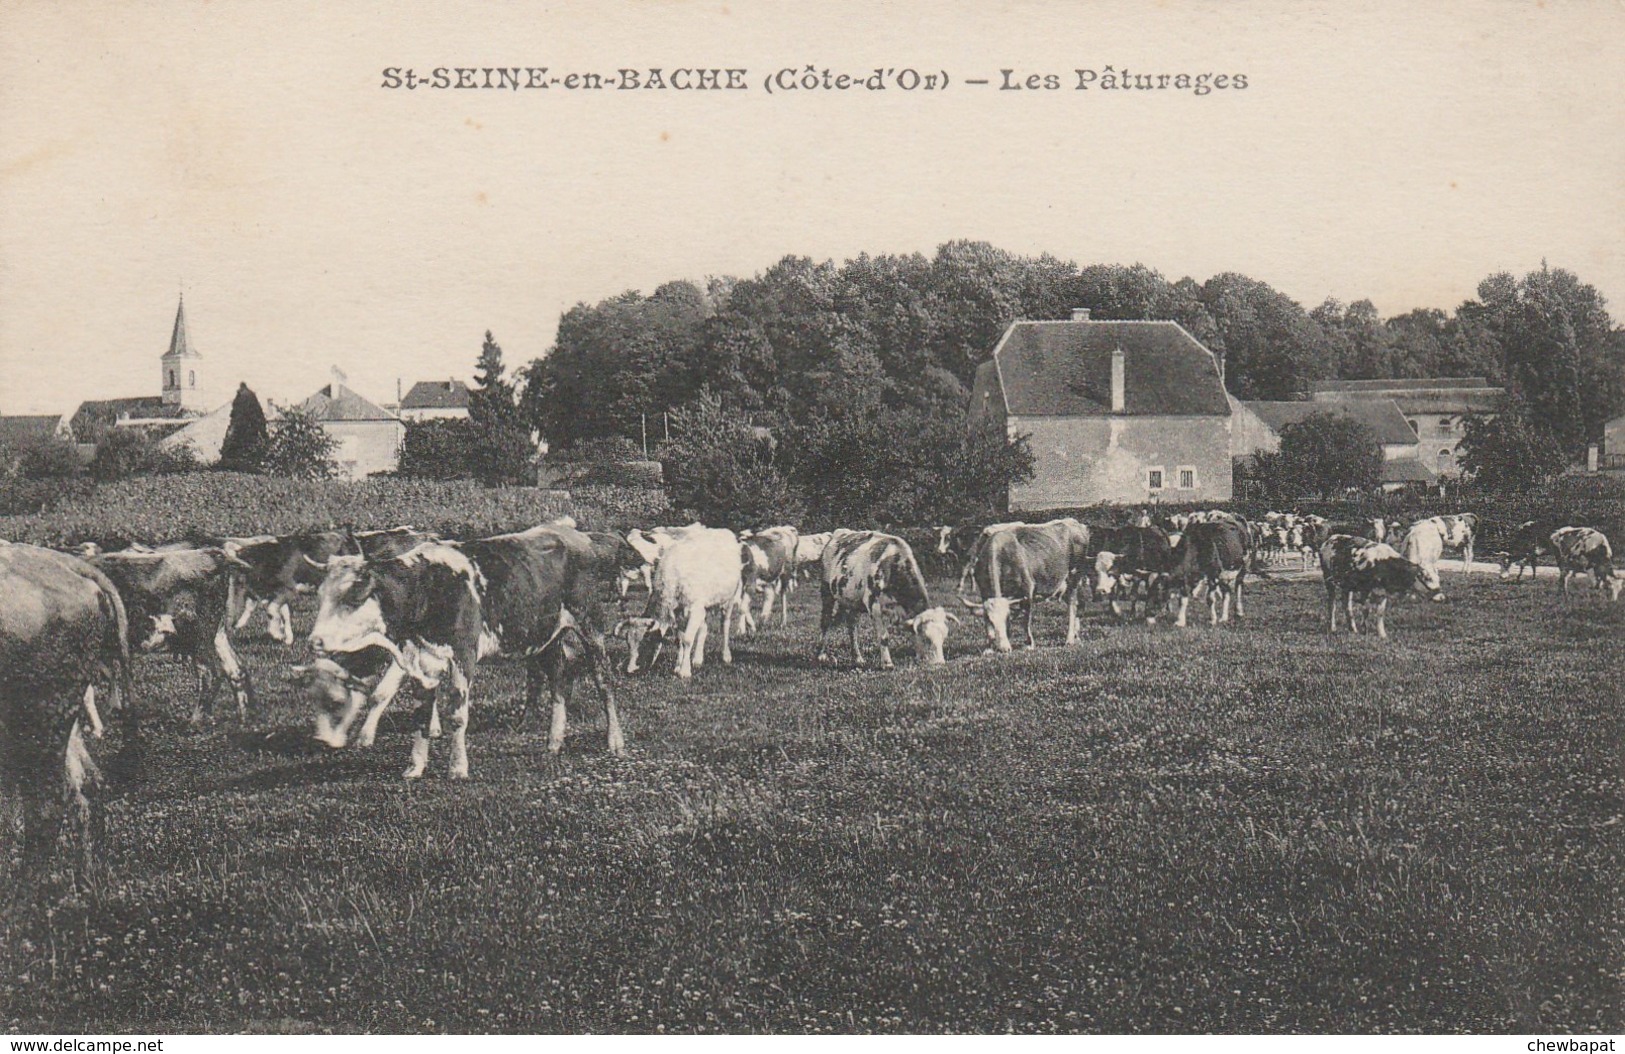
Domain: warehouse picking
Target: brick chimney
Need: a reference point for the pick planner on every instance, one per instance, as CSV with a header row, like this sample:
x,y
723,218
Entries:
x,y
1118,400
1080,314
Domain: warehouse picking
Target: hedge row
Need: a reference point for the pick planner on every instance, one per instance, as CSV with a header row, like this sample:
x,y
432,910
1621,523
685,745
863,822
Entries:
x,y
157,509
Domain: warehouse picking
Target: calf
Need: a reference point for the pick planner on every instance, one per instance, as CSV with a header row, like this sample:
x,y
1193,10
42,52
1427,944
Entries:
x,y
768,564
1211,555
862,570
441,607
1583,550
1358,568
699,572
1130,561
1022,564
179,601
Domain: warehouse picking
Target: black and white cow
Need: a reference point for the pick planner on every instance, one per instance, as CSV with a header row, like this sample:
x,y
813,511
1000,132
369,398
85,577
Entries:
x,y
441,607
1129,564
1212,555
768,564
862,572
1371,572
1529,541
178,601
1584,550
1022,564
63,633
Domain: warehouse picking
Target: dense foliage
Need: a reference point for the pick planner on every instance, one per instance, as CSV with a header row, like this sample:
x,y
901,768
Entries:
x,y
1508,452
300,447
247,435
1324,455
126,452
492,444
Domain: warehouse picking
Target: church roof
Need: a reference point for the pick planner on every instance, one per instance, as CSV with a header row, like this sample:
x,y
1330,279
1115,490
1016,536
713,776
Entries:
x,y
94,415
179,345
335,402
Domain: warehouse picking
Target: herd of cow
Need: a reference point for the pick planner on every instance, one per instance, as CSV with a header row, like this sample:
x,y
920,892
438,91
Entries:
x,y
403,605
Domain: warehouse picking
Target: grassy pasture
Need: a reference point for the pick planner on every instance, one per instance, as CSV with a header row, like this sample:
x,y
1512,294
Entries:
x,y
1243,829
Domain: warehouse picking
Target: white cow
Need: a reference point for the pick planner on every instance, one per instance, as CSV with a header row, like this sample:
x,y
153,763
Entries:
x,y
698,571
1427,540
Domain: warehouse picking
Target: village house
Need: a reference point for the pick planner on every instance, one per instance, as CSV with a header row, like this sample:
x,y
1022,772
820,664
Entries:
x,y
1118,412
429,400
1435,408
1256,428
367,437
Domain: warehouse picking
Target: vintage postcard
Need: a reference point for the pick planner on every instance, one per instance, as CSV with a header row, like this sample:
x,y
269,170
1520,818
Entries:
x,y
743,517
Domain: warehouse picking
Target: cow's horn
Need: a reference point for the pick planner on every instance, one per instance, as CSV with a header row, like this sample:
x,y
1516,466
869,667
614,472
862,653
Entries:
x,y
322,566
973,605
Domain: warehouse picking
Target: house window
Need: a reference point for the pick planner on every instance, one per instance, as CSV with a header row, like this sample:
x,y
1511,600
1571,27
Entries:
x,y
1153,478
191,378
1444,426
173,383
1444,455
1186,474
1415,428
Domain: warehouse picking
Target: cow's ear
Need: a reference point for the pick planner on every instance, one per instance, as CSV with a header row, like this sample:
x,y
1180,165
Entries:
x,y
366,581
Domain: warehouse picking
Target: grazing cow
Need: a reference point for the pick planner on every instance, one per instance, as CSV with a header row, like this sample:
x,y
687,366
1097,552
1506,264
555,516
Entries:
x,y
441,607
617,556
958,543
178,601
768,564
1583,550
1424,544
1529,542
698,572
1359,568
809,553
1129,562
651,543
1022,564
63,632
1211,555
861,571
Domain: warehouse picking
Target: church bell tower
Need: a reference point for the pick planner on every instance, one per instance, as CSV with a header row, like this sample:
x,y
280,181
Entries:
x,y
182,366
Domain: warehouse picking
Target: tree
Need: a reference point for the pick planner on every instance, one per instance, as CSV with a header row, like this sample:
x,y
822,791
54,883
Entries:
x,y
300,447
1325,454
439,448
247,435
126,452
717,465
1509,452
500,450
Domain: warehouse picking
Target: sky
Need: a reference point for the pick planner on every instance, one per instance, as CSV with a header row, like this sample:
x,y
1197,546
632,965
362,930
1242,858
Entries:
x,y
249,155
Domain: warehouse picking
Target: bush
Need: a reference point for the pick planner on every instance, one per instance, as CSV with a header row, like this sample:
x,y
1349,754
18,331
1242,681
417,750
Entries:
x,y
300,448
126,452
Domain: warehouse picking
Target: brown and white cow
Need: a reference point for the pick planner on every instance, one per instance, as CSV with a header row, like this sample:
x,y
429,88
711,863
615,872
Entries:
x,y
63,633
699,572
1528,542
1371,572
1129,564
1022,564
178,601
1584,550
768,565
862,572
1212,555
1426,540
441,607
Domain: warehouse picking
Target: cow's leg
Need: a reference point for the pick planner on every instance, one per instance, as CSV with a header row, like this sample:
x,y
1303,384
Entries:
x,y
697,660
1072,617
852,632
382,695
248,612
92,715
457,766
1184,604
1032,603
420,739
553,666
826,621
1382,608
598,668
232,667
81,774
685,647
882,632
207,684
727,642
1354,627
1331,609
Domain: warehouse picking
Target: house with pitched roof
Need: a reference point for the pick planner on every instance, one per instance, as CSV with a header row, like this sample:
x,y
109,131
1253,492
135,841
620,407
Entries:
x,y
433,399
1118,412
1257,429
1435,408
367,437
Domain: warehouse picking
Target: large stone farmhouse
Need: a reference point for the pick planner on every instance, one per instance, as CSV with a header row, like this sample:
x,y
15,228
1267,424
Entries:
x,y
1436,408
1118,412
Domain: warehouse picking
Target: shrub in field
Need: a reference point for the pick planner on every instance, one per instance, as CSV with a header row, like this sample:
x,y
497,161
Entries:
x,y
126,452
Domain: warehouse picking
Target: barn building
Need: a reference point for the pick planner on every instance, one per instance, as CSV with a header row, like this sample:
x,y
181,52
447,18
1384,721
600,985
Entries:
x,y
1116,412
1435,408
1257,429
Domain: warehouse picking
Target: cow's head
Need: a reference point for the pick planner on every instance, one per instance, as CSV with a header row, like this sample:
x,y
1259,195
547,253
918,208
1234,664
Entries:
x,y
161,630
637,632
1505,559
1428,579
930,630
996,610
1105,573
1609,580
945,537
1400,578
348,615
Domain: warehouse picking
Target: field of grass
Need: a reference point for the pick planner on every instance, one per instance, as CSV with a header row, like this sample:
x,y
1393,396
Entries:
x,y
1245,829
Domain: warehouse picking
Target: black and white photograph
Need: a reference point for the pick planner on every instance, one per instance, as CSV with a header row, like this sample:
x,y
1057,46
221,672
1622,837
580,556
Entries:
x,y
704,517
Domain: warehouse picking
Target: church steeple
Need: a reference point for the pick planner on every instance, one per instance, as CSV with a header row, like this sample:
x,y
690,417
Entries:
x,y
180,366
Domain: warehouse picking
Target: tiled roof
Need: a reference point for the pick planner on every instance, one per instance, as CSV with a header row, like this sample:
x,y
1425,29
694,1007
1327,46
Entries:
x,y
1402,384
436,395
96,414
335,402
28,426
1407,470
1064,369
1381,416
